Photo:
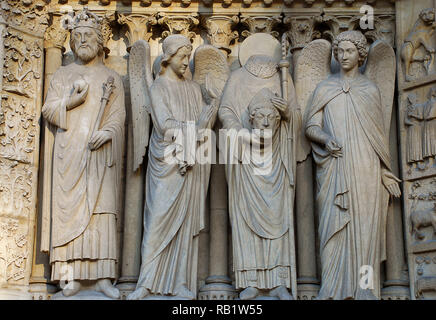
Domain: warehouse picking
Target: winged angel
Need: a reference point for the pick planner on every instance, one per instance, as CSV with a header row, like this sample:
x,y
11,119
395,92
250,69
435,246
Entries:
x,y
347,120
176,183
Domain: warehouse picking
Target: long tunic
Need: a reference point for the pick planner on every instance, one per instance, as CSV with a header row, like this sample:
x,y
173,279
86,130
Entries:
x,y
175,204
85,182
429,132
413,121
260,206
351,200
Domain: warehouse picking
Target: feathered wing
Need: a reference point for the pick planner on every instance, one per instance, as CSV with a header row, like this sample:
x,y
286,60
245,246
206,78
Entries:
x,y
380,69
140,81
211,71
313,66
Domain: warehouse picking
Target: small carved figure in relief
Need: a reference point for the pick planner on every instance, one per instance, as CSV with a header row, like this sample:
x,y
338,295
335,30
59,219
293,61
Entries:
x,y
85,101
176,188
429,131
422,218
420,35
347,121
414,123
261,198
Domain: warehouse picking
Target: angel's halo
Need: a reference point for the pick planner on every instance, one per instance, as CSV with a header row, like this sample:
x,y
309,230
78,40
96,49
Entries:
x,y
260,44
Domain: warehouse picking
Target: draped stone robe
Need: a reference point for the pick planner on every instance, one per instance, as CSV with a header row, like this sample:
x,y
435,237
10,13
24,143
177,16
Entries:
x,y
429,132
413,121
261,206
351,199
85,183
174,204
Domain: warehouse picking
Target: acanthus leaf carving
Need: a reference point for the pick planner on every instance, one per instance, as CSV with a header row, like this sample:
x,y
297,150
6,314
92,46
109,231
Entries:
x,y
219,30
138,26
178,24
264,24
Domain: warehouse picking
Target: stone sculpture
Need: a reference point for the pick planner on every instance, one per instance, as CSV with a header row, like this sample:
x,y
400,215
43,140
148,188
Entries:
x,y
175,190
85,101
420,35
261,201
429,131
347,120
413,121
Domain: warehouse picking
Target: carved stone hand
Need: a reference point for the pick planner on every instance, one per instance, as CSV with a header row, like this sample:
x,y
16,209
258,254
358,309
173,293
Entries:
x,y
78,96
390,181
282,107
99,139
334,148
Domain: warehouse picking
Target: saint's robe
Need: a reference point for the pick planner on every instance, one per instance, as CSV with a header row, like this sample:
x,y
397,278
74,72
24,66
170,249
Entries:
x,y
261,206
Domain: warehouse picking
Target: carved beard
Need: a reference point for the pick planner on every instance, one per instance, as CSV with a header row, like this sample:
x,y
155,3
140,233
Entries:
x,y
87,53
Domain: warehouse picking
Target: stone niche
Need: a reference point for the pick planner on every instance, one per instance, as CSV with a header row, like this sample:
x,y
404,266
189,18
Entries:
x,y
34,45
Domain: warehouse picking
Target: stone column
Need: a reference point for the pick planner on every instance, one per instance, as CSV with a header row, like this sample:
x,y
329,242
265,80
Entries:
x,y
396,285
301,32
54,39
218,284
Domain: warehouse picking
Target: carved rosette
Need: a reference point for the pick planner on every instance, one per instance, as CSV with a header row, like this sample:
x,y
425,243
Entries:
x,y
178,24
256,24
219,30
384,29
138,26
302,30
339,23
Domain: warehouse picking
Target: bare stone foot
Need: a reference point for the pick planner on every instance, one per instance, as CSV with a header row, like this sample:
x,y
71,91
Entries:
x,y
183,292
249,293
138,294
282,293
105,286
72,288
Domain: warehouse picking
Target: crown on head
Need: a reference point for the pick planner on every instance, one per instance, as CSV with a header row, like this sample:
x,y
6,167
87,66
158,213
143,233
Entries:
x,y
84,18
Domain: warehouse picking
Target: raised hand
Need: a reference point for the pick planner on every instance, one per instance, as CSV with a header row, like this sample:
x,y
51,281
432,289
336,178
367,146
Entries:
x,y
282,106
79,94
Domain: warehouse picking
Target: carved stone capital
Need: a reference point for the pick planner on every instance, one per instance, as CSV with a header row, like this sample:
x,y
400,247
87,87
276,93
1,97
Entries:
x,y
106,29
384,29
219,30
178,24
339,23
264,24
138,25
55,35
302,30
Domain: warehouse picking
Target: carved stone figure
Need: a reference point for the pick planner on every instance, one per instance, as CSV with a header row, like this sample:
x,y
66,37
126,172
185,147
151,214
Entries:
x,y
175,189
85,101
429,132
347,121
422,218
420,35
413,121
261,202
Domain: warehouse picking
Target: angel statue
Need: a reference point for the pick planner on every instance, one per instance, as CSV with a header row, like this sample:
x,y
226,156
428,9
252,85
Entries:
x,y
347,120
261,201
176,187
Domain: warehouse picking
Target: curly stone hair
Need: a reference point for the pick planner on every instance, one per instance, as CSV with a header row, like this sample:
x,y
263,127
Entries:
x,y
357,38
